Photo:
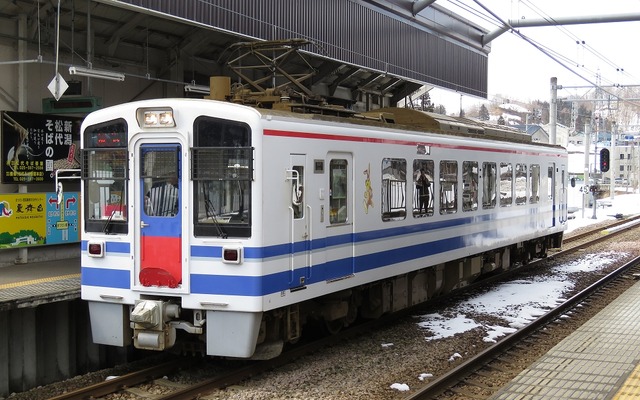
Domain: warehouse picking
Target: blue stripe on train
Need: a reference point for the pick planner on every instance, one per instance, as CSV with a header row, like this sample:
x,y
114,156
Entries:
x,y
110,247
112,278
317,244
339,240
261,286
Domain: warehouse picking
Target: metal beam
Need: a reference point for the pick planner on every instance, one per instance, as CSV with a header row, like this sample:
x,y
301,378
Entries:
x,y
602,86
119,32
420,5
528,23
616,99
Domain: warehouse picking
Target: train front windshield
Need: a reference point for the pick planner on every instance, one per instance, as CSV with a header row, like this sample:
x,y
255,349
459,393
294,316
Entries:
x,y
104,172
222,171
221,174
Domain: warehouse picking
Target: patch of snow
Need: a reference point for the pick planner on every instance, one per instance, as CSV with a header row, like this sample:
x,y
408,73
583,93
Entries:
x,y
424,376
403,387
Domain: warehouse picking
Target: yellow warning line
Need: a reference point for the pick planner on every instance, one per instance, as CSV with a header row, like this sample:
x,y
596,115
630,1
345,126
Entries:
x,y
36,281
631,387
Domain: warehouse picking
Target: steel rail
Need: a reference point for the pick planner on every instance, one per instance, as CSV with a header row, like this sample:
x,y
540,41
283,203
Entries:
x,y
451,378
132,379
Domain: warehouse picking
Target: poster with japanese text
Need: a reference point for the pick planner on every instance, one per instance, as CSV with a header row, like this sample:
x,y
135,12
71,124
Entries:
x,y
35,219
35,145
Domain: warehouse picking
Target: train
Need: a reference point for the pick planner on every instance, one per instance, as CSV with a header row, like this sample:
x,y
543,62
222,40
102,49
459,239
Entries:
x,y
226,227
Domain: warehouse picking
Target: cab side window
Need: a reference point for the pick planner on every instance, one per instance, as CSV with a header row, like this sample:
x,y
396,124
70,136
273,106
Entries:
x,y
338,196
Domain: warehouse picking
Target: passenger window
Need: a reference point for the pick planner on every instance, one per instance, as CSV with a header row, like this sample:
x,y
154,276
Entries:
x,y
506,185
394,185
521,184
550,186
297,192
470,186
338,196
489,174
423,184
448,187
534,178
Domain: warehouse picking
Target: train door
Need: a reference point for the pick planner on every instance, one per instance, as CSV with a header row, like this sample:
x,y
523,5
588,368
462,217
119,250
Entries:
x,y
299,223
552,189
562,201
340,227
159,233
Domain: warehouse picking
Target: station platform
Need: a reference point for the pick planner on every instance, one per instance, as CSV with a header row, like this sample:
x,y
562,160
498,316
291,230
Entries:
x,y
32,284
600,360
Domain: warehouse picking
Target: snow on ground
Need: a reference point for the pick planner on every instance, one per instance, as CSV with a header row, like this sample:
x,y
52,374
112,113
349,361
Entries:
x,y
626,204
519,302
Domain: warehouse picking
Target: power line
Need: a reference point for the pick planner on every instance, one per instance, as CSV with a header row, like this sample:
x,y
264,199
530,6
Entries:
x,y
556,57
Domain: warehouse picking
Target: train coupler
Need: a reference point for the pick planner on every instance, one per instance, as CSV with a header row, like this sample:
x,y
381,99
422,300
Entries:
x,y
150,322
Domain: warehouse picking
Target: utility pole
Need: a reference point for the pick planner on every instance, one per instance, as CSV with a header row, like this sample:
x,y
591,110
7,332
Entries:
x,y
595,167
614,160
553,110
587,171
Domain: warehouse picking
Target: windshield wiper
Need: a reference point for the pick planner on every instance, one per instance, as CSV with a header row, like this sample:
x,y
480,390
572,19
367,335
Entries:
x,y
211,213
107,223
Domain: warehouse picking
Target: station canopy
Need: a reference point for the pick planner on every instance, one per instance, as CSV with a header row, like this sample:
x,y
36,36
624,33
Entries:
x,y
346,51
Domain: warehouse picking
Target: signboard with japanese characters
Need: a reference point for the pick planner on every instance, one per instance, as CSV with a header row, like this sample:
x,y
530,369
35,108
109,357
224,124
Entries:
x,y
36,219
35,145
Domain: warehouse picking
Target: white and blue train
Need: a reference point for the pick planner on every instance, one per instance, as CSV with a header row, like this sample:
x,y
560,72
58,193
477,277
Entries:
x,y
224,228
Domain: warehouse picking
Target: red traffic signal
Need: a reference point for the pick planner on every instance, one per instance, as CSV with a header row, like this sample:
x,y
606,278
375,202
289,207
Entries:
x,y
604,160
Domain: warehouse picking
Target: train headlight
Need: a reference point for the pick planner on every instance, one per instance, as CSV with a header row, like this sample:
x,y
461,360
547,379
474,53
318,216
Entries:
x,y
95,249
156,118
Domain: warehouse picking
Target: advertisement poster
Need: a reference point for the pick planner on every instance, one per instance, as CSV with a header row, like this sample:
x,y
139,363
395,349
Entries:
x,y
35,145
36,219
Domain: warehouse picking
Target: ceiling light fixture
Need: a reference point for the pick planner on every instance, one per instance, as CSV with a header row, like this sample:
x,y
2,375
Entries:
x,y
96,73
193,88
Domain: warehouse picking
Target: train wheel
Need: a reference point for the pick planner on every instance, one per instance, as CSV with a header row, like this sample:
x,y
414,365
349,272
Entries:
x,y
542,253
525,255
335,326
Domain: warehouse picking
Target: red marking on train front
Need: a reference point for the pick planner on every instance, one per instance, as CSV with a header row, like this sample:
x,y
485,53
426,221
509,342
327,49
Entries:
x,y
161,261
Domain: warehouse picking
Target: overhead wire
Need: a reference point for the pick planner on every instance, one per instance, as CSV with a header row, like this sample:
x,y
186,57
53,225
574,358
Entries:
x,y
492,19
474,12
553,55
581,43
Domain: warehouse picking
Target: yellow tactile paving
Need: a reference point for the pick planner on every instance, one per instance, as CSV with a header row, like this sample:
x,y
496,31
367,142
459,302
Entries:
x,y
631,387
37,281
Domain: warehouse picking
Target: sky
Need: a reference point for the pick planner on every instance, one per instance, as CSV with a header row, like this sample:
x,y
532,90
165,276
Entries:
x,y
520,301
519,70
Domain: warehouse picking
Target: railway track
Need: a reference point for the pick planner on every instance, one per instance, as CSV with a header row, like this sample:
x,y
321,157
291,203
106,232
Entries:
x,y
607,228
136,382
141,381
123,382
481,376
